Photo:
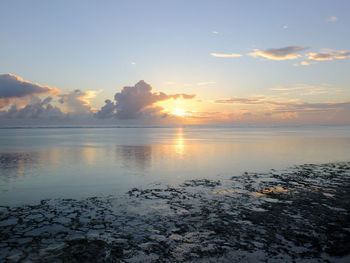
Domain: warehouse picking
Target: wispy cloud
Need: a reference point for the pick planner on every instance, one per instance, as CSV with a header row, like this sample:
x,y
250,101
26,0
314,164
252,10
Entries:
x,y
305,63
252,100
285,88
328,54
288,106
285,27
284,53
308,107
215,32
333,19
306,89
226,55
293,52
206,83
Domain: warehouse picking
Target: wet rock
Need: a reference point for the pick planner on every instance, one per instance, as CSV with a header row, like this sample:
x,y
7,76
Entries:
x,y
301,214
15,257
49,229
52,249
8,222
35,217
23,240
142,257
175,237
202,182
62,220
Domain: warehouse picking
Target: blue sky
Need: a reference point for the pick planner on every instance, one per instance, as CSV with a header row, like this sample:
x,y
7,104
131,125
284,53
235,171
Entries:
x,y
105,45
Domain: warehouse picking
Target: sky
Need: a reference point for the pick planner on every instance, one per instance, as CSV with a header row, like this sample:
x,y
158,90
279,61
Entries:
x,y
174,62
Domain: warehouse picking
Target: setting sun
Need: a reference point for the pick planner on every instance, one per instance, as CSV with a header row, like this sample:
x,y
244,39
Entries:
x,y
179,112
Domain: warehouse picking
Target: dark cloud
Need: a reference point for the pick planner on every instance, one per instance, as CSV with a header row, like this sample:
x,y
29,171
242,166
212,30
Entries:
x,y
284,53
36,109
12,86
136,102
19,101
132,100
107,111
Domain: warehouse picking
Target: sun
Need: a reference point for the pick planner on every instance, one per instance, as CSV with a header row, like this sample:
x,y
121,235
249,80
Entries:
x,y
179,112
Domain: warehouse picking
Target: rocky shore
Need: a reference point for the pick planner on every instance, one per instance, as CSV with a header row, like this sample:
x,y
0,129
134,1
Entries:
x,y
301,214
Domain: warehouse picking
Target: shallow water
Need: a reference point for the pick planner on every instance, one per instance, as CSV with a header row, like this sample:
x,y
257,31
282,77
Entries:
x,y
40,163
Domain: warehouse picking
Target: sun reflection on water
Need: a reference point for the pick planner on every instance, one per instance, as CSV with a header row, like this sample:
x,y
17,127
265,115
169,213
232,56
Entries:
x,y
180,142
88,155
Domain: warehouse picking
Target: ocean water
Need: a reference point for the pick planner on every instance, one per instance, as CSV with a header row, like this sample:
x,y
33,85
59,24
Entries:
x,y
79,162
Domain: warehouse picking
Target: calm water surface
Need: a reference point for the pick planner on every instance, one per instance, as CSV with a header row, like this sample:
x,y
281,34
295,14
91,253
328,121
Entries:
x,y
38,163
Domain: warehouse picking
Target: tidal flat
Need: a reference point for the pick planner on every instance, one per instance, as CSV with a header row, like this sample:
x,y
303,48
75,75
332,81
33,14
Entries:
x,y
298,214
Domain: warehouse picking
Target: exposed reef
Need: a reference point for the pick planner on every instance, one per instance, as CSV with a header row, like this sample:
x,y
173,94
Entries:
x,y
300,214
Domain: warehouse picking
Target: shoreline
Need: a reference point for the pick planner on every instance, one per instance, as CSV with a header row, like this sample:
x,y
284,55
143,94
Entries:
x,y
300,213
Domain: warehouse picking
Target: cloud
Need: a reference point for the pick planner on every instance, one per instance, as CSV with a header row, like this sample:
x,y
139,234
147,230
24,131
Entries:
x,y
12,87
169,83
297,112
106,111
205,83
307,89
36,109
184,96
254,100
77,101
288,106
328,54
225,55
305,63
285,53
333,19
305,107
215,32
285,26
285,88
137,102
4,102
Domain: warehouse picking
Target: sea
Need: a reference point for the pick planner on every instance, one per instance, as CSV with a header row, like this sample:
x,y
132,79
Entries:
x,y
39,163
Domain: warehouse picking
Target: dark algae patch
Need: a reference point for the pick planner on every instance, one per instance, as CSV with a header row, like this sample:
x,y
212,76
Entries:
x,y
301,214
